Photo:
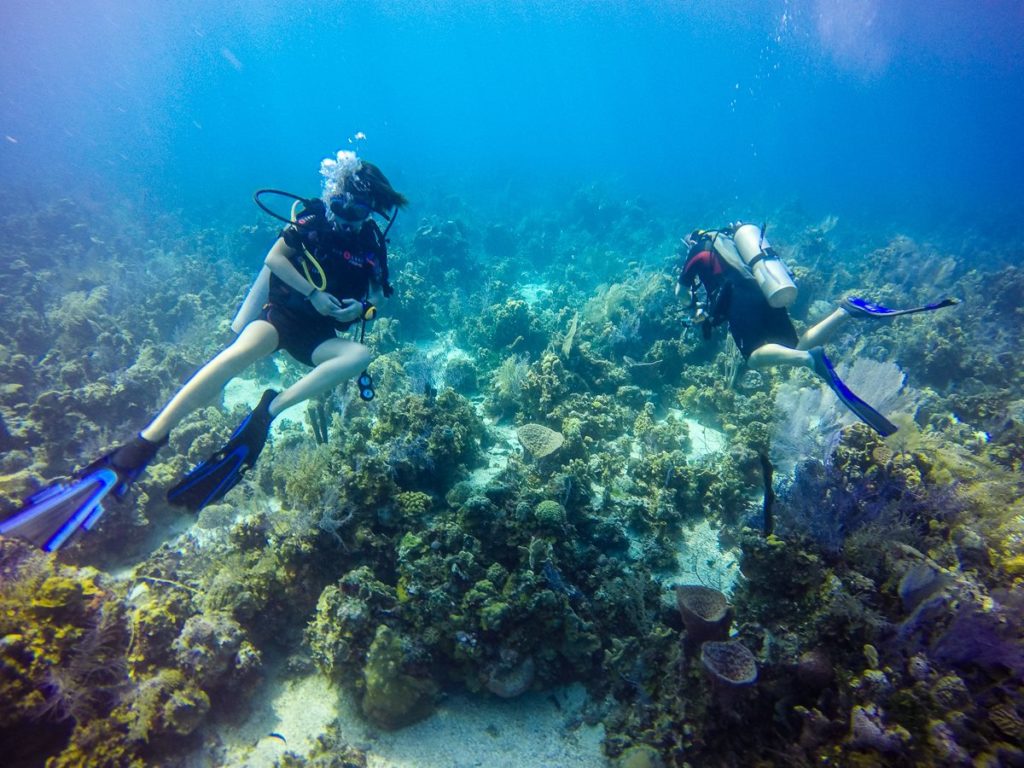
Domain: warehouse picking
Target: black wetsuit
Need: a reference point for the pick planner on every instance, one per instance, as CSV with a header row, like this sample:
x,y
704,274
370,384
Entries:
x,y
351,260
736,298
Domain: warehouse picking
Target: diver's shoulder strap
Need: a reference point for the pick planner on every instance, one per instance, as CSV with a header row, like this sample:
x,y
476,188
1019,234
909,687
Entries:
x,y
726,248
381,245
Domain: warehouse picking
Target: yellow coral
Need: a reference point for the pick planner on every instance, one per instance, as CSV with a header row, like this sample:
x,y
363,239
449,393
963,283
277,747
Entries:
x,y
1014,565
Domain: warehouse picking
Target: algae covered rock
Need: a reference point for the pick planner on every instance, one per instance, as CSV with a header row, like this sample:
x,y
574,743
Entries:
x,y
640,756
344,626
393,699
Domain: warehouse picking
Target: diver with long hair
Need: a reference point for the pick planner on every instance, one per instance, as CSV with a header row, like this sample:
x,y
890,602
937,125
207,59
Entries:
x,y
326,271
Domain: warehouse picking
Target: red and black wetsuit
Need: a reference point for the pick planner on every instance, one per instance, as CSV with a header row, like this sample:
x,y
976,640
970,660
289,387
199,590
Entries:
x,y
735,297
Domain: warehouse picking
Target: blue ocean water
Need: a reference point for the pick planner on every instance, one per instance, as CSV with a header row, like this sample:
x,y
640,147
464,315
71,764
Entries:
x,y
902,113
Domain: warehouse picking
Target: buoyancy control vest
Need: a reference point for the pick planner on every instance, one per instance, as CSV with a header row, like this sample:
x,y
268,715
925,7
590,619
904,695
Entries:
x,y
342,263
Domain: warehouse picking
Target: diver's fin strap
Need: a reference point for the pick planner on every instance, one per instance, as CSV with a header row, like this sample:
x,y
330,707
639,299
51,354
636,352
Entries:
x,y
867,414
862,306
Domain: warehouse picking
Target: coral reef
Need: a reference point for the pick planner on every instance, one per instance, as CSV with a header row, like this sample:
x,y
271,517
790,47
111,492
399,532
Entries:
x,y
551,455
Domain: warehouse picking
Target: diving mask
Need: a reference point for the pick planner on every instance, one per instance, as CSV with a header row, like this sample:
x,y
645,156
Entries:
x,y
351,208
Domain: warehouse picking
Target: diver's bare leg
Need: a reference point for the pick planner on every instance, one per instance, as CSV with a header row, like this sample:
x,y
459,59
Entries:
x,y
820,333
257,340
336,360
775,354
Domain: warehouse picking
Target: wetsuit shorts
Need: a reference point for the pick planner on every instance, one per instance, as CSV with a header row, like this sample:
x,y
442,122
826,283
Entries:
x,y
299,334
753,322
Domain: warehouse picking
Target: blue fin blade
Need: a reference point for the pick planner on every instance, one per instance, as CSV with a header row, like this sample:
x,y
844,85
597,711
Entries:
x,y
50,517
210,481
867,414
865,307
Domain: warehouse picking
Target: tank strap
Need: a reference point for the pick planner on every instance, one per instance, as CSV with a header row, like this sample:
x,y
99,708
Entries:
x,y
726,248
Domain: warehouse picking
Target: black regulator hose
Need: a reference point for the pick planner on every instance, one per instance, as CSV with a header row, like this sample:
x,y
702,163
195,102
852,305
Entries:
x,y
309,203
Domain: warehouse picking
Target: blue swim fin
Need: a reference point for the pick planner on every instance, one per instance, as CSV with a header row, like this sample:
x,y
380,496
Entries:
x,y
856,305
867,414
213,478
52,516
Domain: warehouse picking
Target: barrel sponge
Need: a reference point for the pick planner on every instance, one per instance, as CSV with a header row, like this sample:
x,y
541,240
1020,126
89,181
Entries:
x,y
730,662
705,612
538,440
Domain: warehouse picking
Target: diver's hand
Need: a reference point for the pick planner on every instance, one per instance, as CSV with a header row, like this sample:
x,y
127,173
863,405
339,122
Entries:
x,y
351,310
326,304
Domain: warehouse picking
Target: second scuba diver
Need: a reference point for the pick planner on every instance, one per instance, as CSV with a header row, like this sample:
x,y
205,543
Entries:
x,y
327,270
747,286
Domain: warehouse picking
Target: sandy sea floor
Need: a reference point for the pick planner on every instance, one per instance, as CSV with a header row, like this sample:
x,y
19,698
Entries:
x,y
540,729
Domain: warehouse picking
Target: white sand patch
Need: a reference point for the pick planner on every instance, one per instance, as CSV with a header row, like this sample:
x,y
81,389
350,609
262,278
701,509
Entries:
x,y
505,444
295,710
468,731
247,393
704,440
537,730
534,293
701,559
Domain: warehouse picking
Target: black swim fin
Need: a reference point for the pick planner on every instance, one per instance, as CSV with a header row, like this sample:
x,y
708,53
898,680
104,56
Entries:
x,y
856,305
867,414
212,479
52,516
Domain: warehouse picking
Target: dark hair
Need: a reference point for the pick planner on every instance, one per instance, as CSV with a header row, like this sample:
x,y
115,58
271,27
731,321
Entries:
x,y
371,180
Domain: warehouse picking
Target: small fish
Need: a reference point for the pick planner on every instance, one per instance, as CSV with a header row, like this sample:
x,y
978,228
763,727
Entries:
x,y
558,584
634,364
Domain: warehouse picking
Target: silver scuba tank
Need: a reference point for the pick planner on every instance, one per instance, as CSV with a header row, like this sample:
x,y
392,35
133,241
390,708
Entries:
x,y
769,271
254,301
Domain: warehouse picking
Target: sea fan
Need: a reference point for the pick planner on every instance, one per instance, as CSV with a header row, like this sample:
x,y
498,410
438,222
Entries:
x,y
92,680
809,419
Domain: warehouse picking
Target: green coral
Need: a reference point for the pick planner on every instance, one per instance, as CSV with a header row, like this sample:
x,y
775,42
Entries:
x,y
345,623
393,698
549,515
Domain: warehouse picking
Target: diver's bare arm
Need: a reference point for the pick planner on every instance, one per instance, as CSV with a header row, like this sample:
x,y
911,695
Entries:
x,y
279,262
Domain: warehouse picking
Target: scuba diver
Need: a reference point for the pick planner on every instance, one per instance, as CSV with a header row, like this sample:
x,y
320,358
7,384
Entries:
x,y
326,271
747,286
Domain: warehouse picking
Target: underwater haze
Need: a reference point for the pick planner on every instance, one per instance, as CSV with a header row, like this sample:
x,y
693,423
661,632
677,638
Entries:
x,y
565,514
904,111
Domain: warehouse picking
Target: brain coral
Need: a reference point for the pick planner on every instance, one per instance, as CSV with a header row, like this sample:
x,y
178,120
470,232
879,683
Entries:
x,y
538,440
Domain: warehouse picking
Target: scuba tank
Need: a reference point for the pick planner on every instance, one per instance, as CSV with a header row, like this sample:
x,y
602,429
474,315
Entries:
x,y
258,294
254,301
771,274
